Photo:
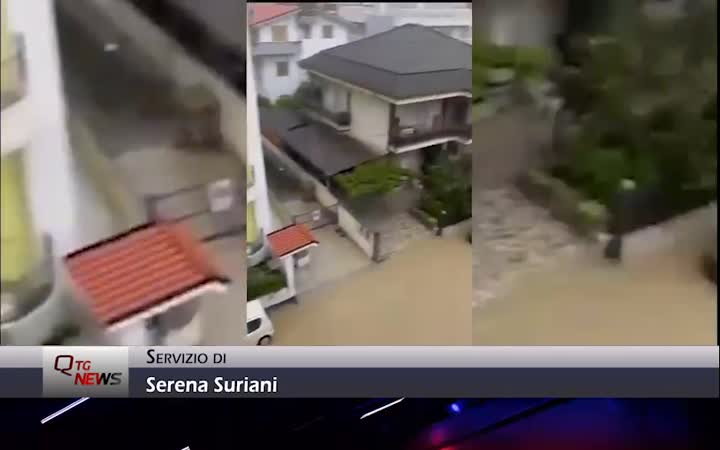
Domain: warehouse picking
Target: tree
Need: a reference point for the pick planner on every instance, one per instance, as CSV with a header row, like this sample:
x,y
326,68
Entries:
x,y
646,101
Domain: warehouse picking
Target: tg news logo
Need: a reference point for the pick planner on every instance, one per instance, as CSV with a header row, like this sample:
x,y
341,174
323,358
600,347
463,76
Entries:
x,y
82,373
85,371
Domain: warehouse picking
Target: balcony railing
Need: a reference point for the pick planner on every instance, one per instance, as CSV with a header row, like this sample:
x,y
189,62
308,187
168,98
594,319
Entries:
x,y
404,137
13,75
314,103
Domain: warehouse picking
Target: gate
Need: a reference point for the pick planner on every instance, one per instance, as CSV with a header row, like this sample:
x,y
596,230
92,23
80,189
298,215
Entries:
x,y
318,218
211,211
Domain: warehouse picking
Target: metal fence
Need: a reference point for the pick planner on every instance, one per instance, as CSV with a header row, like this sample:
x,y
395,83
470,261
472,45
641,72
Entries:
x,y
317,218
212,211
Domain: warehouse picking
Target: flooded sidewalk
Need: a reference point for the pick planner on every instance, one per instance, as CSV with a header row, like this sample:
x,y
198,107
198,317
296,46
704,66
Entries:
x,y
660,299
418,297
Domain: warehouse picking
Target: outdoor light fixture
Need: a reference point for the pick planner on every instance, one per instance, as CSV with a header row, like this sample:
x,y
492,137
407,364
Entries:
x,y
368,414
111,47
456,408
64,410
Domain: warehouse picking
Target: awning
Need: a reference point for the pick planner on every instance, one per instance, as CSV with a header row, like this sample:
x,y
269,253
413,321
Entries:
x,y
327,150
143,272
318,145
290,240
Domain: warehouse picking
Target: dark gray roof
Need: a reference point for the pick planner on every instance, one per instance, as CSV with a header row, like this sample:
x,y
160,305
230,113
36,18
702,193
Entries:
x,y
406,61
275,48
317,144
279,120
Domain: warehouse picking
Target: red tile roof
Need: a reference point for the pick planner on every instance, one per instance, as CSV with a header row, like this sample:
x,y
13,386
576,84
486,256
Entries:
x,y
291,239
262,12
140,269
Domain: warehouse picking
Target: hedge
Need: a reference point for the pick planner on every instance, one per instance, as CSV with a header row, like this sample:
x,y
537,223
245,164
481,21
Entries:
x,y
261,280
585,216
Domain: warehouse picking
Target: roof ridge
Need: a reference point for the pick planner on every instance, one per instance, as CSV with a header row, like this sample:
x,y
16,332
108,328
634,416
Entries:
x,y
328,52
396,73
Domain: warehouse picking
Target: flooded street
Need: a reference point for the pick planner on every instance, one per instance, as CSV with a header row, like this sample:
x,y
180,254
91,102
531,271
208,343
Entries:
x,y
660,299
420,296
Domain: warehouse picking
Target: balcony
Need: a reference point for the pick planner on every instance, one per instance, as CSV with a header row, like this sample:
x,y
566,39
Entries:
x,y
312,101
407,136
13,75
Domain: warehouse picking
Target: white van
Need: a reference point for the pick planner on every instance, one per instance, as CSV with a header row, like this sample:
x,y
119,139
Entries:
x,y
260,329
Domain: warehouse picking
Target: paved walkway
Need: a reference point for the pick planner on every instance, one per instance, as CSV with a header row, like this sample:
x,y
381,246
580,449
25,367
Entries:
x,y
418,297
510,234
335,257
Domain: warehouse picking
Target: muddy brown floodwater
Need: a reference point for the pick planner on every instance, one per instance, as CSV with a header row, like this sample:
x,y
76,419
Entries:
x,y
420,296
661,299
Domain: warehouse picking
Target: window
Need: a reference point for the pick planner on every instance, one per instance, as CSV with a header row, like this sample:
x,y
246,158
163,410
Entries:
x,y
306,31
279,33
327,31
282,69
253,325
254,36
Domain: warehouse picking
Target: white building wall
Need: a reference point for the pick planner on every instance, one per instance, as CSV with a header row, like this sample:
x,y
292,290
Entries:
x,y
264,32
255,154
370,122
317,43
520,22
49,163
453,18
272,86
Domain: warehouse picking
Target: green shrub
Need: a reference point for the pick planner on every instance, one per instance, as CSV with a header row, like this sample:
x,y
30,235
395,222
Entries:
x,y
532,62
597,172
261,280
664,118
373,178
288,102
448,193
710,109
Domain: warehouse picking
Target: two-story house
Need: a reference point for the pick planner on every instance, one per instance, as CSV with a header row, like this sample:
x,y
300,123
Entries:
x,y
281,35
399,93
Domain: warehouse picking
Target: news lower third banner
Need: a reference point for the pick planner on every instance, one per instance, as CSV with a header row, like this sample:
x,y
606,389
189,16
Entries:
x,y
687,372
